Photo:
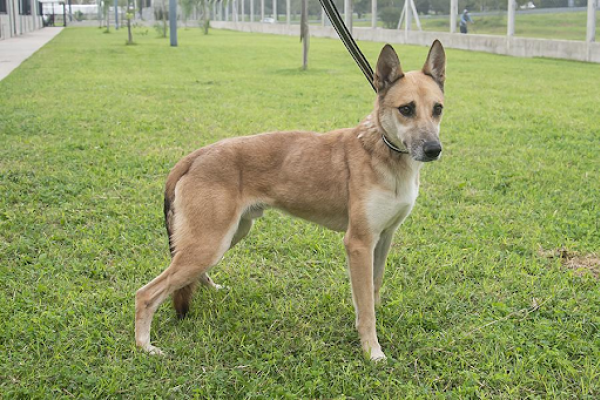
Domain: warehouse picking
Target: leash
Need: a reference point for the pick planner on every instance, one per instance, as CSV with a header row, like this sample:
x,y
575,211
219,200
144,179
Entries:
x,y
342,31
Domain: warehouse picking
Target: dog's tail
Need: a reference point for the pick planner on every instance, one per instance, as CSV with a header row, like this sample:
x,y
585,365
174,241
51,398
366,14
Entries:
x,y
183,296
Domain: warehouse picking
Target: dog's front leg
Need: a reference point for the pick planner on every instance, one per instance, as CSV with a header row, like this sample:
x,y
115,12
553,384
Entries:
x,y
359,249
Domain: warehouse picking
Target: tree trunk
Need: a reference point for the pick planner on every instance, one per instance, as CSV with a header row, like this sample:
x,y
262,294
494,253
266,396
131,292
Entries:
x,y
129,16
304,33
129,31
164,18
205,18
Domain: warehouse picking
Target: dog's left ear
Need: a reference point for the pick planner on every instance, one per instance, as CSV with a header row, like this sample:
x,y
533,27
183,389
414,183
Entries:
x,y
435,65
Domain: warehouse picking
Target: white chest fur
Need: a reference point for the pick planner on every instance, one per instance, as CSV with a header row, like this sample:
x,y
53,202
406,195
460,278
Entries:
x,y
388,208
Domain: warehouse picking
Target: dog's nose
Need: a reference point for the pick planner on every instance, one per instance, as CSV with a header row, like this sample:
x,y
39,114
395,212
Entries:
x,y
432,149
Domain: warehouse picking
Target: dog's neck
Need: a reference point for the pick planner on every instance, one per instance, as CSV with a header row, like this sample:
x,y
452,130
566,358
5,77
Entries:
x,y
390,164
371,135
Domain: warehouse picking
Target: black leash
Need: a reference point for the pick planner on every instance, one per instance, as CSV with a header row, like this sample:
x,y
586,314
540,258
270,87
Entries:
x,y
342,30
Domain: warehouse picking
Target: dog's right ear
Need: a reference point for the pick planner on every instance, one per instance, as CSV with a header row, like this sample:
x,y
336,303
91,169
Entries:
x,y
388,69
435,66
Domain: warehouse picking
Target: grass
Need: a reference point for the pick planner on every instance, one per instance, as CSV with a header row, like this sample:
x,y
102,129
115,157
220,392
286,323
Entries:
x,y
563,26
472,306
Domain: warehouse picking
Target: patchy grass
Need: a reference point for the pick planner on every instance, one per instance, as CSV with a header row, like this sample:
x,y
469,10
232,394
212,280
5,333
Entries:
x,y
90,128
580,263
587,264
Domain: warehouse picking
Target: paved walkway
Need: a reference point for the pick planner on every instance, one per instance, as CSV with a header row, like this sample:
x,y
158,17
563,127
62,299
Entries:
x,y
15,50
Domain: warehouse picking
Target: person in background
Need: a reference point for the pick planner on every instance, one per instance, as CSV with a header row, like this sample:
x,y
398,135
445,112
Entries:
x,y
464,18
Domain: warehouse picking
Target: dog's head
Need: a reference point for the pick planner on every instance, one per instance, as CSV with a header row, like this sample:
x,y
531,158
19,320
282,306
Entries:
x,y
409,106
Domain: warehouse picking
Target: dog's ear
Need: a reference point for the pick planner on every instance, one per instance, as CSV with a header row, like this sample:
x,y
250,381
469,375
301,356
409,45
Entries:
x,y
388,69
435,65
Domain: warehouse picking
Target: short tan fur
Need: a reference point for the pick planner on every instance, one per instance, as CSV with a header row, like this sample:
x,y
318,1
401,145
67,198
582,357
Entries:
x,y
348,180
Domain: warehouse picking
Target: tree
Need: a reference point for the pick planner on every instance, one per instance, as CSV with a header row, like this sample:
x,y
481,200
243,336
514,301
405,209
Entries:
x,y
422,6
304,33
361,7
314,8
162,14
440,6
187,7
106,14
390,16
129,16
205,15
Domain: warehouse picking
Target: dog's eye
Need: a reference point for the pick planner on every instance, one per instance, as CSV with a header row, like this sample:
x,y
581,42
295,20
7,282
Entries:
x,y
437,110
407,111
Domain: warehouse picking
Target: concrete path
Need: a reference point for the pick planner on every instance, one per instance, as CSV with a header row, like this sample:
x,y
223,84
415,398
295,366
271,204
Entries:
x,y
15,50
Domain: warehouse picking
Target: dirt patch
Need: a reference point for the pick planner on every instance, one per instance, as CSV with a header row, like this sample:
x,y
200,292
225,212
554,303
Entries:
x,y
580,264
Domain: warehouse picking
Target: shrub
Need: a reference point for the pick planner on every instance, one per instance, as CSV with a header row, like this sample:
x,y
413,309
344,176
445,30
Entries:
x,y
79,16
390,16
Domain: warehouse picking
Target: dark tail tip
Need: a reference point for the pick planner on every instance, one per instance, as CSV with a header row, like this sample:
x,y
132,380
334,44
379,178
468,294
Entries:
x,y
167,211
182,312
182,299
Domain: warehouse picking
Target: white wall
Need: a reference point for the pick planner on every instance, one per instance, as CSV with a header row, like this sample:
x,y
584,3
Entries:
x,y
13,24
511,46
4,26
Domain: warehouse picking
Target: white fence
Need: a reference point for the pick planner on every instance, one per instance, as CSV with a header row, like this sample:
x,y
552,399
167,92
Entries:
x,y
228,16
507,45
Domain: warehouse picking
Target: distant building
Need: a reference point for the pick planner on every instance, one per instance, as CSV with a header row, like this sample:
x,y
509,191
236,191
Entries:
x,y
18,17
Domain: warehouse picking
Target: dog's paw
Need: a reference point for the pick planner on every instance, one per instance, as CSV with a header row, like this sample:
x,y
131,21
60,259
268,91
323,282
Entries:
x,y
153,350
377,355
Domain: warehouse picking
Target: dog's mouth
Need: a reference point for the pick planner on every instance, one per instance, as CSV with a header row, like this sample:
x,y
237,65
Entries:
x,y
428,159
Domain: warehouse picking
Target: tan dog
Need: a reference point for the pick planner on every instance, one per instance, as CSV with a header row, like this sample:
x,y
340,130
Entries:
x,y
362,181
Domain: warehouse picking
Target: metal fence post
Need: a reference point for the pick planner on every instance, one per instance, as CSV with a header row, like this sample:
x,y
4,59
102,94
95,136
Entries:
x,y
348,14
373,14
510,29
173,22
453,15
591,21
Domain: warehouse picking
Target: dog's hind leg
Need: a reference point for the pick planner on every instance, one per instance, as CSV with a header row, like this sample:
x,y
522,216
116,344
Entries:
x,y
242,230
185,268
203,239
245,224
182,297
207,281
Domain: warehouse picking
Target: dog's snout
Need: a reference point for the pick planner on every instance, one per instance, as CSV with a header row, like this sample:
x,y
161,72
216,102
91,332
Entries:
x,y
432,149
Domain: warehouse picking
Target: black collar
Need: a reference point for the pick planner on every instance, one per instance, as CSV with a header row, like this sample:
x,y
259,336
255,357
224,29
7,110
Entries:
x,y
391,146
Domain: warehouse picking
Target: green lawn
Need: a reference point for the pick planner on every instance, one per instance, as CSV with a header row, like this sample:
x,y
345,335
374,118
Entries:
x,y
473,306
564,26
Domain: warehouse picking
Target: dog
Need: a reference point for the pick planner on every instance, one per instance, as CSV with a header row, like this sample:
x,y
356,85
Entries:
x,y
362,181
